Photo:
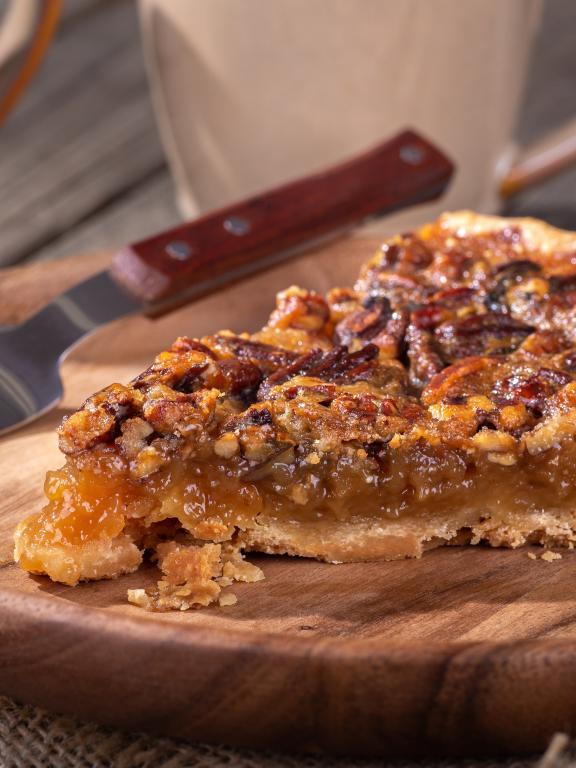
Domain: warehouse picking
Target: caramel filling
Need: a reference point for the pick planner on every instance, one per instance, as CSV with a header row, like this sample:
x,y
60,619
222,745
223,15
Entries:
x,y
93,498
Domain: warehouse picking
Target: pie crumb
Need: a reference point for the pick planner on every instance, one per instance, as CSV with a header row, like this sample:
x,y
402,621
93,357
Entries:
x,y
549,556
194,576
138,597
227,598
532,556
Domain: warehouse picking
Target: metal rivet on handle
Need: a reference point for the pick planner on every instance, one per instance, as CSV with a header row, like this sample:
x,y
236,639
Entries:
x,y
412,154
179,250
237,225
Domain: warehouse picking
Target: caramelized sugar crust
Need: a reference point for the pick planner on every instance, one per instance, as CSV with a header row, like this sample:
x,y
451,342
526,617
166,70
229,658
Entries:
x,y
434,402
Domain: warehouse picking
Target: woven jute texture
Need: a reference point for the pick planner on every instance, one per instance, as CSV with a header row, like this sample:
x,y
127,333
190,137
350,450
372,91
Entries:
x,y
32,738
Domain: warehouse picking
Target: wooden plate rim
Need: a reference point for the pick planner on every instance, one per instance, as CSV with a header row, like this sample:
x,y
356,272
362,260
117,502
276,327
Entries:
x,y
361,696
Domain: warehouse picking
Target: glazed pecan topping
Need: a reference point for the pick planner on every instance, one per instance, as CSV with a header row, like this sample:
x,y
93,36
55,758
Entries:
x,y
480,335
407,252
232,376
508,275
563,284
342,302
179,369
99,419
400,290
264,356
452,325
366,322
568,361
424,358
299,309
337,366
531,388
186,344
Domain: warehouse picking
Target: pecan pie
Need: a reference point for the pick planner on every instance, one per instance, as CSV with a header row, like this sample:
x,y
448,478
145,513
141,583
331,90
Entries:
x,y
433,403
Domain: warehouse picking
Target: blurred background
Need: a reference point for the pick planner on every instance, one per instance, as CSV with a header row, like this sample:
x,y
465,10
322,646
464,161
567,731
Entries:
x,y
82,166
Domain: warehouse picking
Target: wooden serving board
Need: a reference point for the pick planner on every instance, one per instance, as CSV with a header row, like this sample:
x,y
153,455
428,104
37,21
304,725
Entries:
x,y
467,651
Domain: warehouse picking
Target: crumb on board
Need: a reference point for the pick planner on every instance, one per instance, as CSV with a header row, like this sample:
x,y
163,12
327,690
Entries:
x,y
548,556
195,576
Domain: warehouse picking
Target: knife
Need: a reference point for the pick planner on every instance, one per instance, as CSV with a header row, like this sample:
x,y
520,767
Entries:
x,y
175,267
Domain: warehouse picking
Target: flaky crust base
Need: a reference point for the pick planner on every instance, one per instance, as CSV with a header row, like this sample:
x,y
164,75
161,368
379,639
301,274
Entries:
x,y
351,541
537,235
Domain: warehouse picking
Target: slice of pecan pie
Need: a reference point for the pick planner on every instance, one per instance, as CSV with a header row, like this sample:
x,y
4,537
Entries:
x,y
434,403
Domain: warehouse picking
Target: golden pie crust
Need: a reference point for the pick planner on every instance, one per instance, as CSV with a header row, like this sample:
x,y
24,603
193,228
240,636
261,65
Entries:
x,y
433,403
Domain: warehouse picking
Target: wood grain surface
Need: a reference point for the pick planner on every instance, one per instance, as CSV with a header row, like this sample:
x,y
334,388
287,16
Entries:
x,y
83,144
468,651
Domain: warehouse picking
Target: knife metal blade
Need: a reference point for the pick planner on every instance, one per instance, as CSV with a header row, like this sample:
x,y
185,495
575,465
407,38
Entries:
x,y
31,353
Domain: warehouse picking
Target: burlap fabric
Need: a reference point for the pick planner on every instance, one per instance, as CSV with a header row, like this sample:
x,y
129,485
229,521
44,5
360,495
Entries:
x,y
32,738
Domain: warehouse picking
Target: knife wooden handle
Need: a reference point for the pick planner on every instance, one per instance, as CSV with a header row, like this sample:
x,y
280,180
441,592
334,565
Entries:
x,y
234,241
